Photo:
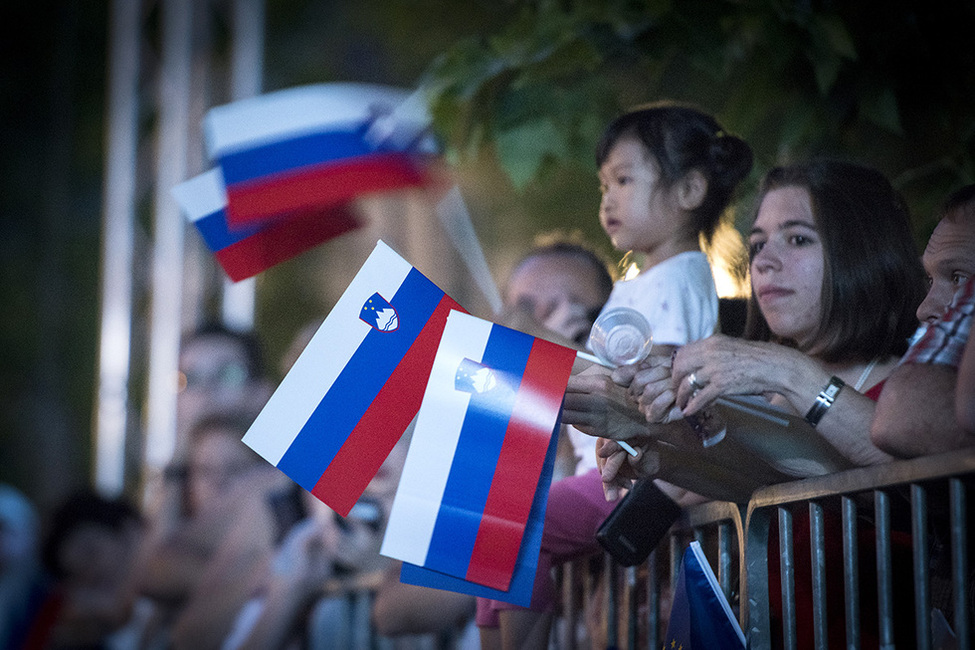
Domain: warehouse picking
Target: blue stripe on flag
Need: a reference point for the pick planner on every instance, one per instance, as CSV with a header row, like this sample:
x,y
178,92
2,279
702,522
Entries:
x,y
215,233
359,382
292,154
476,457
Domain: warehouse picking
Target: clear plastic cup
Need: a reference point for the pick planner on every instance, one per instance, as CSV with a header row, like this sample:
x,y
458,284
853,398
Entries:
x,y
621,336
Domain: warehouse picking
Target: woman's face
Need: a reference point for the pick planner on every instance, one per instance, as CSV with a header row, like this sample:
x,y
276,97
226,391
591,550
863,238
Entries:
x,y
787,265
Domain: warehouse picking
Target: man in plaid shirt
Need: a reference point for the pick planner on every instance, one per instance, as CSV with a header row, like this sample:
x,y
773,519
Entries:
x,y
915,414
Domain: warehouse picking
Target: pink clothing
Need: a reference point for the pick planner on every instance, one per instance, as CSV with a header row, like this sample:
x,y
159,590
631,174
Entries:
x,y
576,508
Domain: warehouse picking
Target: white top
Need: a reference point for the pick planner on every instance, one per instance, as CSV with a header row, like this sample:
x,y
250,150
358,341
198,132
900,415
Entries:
x,y
678,299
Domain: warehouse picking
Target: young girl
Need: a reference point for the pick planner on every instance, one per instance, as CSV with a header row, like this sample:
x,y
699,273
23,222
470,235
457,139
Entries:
x,y
667,172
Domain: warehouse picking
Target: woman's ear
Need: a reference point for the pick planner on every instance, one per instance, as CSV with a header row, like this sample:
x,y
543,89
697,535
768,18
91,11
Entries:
x,y
691,190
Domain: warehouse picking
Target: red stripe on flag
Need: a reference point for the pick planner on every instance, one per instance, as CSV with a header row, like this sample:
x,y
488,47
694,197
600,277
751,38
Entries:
x,y
520,464
379,429
318,185
283,240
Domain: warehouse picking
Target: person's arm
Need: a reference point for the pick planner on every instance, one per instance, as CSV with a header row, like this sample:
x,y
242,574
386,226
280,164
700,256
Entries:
x,y
722,366
726,472
300,570
400,608
915,414
965,391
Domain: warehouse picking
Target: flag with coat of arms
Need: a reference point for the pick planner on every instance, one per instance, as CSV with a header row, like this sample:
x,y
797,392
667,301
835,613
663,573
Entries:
x,y
316,145
358,383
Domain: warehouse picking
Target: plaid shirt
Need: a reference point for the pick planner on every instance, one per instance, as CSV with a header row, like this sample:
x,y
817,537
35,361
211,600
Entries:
x,y
943,341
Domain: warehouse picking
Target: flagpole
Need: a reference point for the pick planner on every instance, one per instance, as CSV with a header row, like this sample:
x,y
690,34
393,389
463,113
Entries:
x,y
118,217
246,80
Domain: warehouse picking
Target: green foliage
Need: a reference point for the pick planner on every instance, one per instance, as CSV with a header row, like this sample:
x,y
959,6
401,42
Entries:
x,y
796,79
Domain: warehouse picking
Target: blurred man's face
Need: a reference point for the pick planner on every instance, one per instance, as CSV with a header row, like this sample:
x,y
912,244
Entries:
x,y
562,292
214,378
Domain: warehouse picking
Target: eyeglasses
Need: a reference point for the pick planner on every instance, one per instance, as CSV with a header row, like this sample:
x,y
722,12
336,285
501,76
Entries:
x,y
229,375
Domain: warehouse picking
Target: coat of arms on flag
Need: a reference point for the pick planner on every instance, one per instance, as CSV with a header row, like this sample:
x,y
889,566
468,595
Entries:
x,y
379,314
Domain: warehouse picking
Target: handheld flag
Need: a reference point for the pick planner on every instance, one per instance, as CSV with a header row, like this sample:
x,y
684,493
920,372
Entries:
x,y
358,383
246,252
700,616
522,584
316,145
477,452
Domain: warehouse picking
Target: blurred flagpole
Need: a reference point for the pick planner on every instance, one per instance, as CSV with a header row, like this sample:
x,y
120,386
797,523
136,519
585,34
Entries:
x,y
167,251
456,220
115,338
246,80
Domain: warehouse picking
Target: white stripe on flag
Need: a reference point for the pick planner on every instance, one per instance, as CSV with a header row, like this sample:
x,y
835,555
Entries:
x,y
293,112
325,356
201,195
431,452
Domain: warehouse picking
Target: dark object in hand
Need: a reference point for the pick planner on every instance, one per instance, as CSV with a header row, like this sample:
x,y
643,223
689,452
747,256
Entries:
x,y
638,523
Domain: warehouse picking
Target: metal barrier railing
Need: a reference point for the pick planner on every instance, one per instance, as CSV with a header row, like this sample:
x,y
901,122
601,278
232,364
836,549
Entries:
x,y
845,541
929,492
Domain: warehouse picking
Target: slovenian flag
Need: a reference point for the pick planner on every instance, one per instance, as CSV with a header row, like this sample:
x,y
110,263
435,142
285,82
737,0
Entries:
x,y
358,383
317,145
521,588
477,452
246,252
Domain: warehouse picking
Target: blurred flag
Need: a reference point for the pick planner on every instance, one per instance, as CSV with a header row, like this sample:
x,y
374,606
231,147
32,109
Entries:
x,y
522,584
248,251
317,145
700,616
477,452
358,383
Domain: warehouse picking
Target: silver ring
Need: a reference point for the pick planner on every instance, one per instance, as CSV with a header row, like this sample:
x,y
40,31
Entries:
x,y
692,381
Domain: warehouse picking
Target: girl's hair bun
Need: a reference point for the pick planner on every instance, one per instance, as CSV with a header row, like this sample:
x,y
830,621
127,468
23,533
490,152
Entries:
x,y
731,157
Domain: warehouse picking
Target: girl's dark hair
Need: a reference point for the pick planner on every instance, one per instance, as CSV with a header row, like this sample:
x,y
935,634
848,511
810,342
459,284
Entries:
x,y
682,138
872,279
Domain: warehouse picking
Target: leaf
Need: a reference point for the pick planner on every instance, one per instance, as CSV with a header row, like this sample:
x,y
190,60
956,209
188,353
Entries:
x,y
880,107
522,149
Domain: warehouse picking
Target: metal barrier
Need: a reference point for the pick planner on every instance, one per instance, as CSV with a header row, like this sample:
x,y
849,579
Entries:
x,y
844,586
930,493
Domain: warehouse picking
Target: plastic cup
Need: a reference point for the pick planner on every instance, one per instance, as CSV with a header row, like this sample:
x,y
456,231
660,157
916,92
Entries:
x,y
621,336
